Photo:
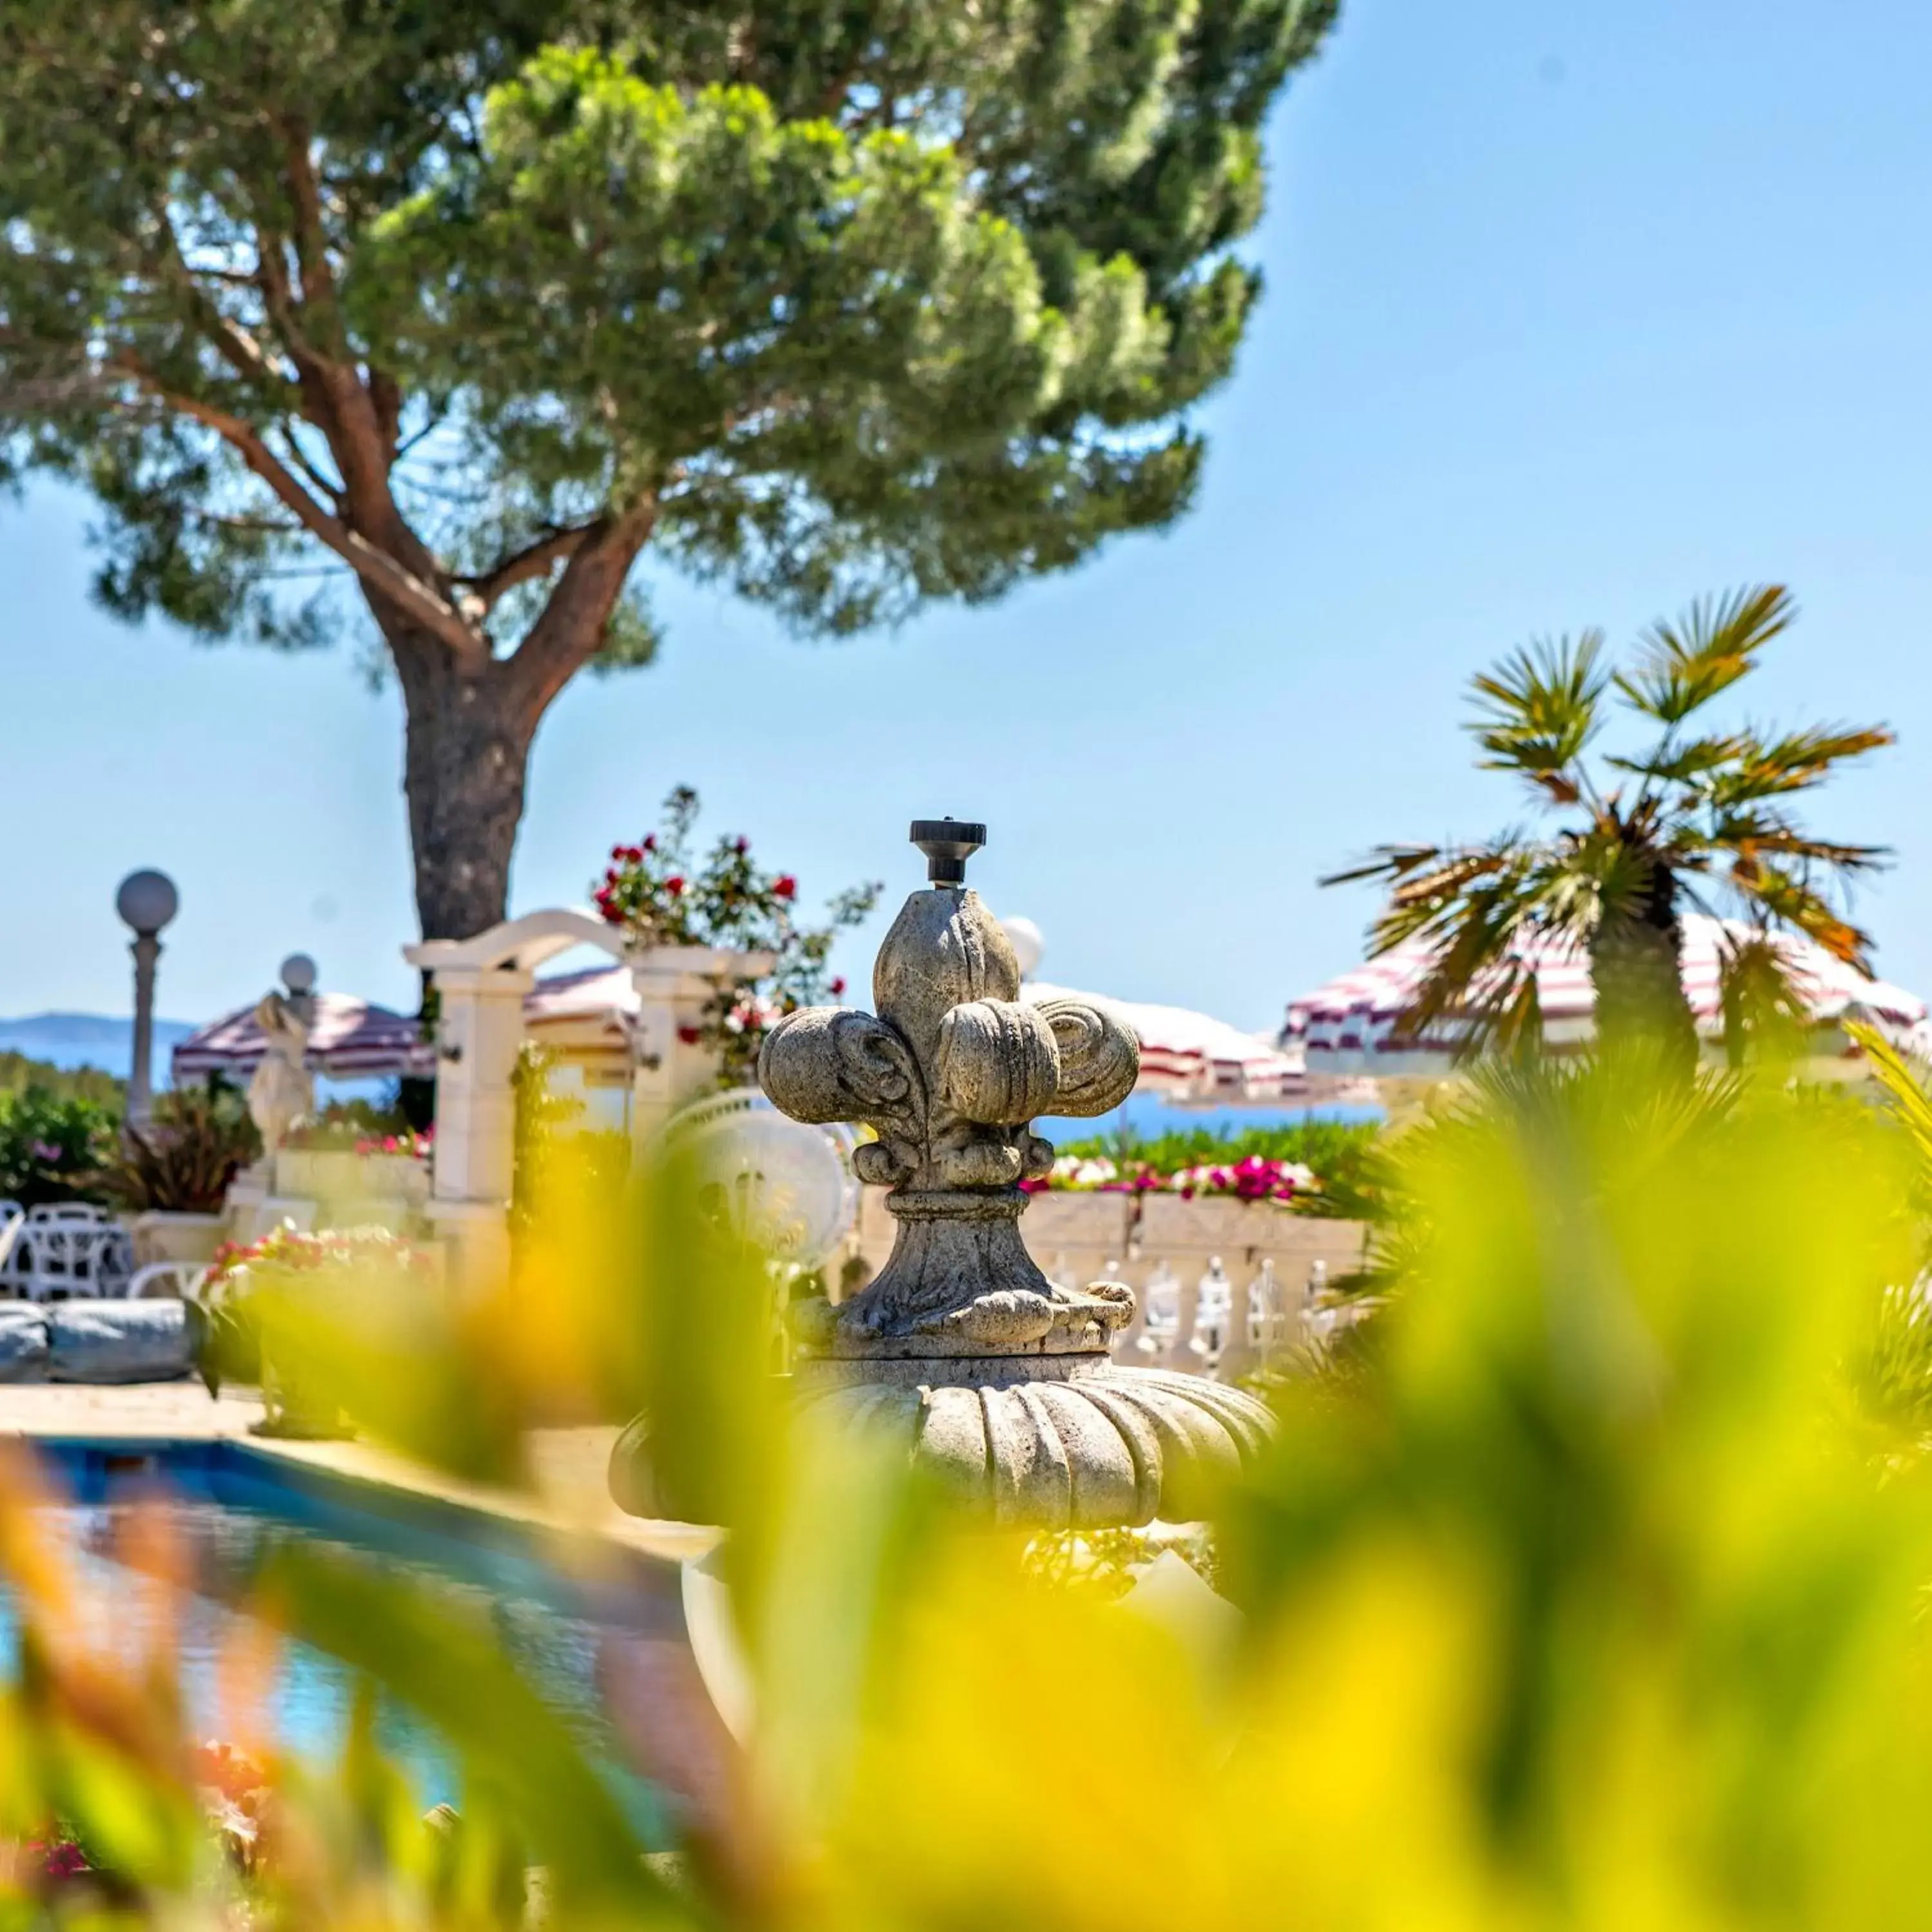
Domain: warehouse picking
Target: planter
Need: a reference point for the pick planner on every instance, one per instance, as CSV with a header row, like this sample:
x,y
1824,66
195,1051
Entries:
x,y
293,1407
161,1234
331,1174
355,1189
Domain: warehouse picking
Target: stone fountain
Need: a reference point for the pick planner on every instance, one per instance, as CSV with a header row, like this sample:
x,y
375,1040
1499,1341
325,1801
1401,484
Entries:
x,y
998,1380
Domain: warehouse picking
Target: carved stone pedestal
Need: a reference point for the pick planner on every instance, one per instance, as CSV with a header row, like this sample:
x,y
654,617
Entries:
x,y
994,1377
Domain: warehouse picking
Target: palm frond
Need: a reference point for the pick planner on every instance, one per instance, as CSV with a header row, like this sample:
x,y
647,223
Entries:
x,y
1758,999
1795,762
1683,665
1787,900
1758,835
1684,763
1906,1098
1536,712
1419,875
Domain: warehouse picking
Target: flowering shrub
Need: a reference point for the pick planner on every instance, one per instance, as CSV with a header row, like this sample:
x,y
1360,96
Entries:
x,y
662,892
226,1317
53,1146
295,1251
1255,1178
344,1136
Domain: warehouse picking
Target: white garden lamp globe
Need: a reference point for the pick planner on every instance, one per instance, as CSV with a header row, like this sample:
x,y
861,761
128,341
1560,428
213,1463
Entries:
x,y
146,901
298,972
1028,942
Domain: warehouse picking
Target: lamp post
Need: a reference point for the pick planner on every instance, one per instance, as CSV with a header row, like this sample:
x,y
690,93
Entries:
x,y
146,901
298,976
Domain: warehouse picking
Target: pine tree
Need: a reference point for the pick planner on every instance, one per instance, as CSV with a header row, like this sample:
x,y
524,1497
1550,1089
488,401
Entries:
x,y
848,304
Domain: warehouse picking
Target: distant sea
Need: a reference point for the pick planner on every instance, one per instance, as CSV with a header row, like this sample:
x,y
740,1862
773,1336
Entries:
x,y
90,1040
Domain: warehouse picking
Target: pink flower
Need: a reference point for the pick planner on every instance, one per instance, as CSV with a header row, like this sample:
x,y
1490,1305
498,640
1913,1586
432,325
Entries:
x,y
784,886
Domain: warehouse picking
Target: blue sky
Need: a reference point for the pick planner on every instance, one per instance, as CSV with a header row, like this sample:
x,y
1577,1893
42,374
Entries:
x,y
1573,311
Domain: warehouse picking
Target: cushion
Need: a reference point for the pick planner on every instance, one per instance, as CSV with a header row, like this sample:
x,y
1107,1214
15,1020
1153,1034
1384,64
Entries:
x,y
116,1341
23,1342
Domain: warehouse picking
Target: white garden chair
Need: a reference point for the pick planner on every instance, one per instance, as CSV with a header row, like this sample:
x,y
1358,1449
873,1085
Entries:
x,y
12,1219
161,1280
71,1252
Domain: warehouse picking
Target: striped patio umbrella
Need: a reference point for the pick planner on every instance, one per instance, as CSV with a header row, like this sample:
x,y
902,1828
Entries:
x,y
1356,1024
351,1039
1191,1058
1186,1056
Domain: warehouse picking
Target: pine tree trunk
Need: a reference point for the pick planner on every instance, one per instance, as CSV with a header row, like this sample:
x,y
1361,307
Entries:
x,y
467,748
1636,970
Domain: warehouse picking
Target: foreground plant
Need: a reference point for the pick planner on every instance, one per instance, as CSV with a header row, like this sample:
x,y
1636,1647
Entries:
x,y
1578,1603
1697,817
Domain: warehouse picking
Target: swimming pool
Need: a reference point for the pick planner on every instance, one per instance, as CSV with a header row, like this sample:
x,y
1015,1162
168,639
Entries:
x,y
226,1505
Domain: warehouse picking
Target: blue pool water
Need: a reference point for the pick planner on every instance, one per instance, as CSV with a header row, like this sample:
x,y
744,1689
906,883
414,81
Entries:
x,y
226,1506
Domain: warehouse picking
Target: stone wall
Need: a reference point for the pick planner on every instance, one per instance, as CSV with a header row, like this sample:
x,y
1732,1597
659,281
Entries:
x,y
1078,1237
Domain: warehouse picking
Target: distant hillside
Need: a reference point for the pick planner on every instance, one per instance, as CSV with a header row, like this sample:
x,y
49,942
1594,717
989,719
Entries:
x,y
89,1040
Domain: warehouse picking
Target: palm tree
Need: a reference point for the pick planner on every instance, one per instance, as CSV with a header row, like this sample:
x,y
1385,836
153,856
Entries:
x,y
1700,815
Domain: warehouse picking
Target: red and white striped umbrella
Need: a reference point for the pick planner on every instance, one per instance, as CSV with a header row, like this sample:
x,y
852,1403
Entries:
x,y
350,1040
1355,1024
1191,1057
598,993
1187,1056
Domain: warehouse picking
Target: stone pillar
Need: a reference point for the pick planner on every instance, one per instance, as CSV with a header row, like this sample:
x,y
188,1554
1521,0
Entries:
x,y
479,1033
671,1064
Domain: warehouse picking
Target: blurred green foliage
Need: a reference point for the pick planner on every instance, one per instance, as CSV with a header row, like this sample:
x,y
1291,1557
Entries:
x,y
1327,1148
1592,1596
52,1145
180,1160
20,1071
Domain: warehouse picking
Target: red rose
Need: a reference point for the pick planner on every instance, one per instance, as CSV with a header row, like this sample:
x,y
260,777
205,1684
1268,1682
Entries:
x,y
617,853
784,886
838,987
690,1035
634,855
650,844
741,845
674,885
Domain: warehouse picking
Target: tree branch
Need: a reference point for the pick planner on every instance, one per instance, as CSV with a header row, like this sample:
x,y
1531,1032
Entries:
x,y
376,567
566,636
535,560
298,458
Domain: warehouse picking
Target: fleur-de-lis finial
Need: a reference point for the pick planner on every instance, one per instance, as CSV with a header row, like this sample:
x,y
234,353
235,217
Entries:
x,y
998,1383
950,1074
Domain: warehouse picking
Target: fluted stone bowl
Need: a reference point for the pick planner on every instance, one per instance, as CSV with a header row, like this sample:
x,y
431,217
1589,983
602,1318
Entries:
x,y
1075,1443
1083,1445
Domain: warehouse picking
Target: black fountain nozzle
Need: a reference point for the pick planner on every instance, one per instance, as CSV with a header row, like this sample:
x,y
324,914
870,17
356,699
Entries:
x,y
947,843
